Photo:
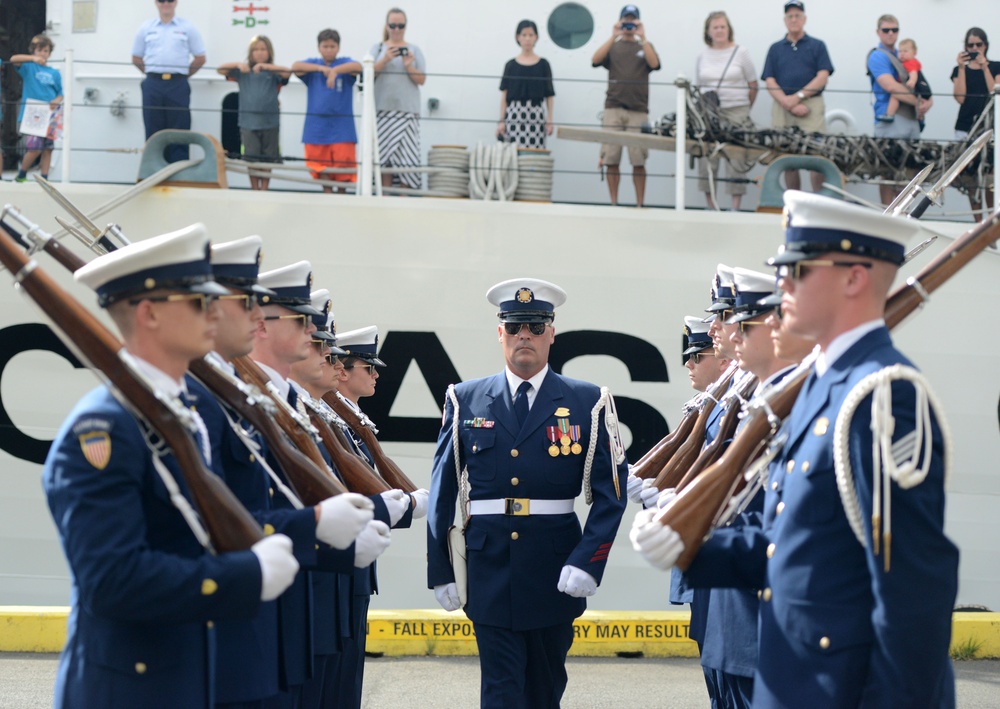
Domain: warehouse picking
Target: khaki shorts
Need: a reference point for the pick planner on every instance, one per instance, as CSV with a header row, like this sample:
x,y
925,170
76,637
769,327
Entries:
x,y
813,122
623,119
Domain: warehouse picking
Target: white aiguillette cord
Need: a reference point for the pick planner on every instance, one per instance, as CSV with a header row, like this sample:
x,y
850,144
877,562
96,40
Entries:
x,y
907,461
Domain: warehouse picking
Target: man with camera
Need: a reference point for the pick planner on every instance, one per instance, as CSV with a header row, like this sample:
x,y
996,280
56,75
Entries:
x,y
629,58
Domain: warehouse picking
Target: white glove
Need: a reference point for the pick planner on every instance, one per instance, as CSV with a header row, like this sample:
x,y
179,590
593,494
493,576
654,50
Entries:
x,y
397,502
447,596
576,582
666,497
634,486
649,493
341,518
373,540
659,544
420,503
277,565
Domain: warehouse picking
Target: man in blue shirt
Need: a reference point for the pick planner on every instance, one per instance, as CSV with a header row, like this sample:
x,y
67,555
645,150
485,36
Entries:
x,y
796,71
884,69
167,50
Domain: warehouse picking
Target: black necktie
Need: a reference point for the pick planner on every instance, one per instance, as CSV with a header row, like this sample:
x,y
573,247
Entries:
x,y
521,402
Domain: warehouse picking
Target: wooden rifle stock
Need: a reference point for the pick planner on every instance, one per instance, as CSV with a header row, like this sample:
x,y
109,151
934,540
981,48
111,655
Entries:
x,y
303,439
311,483
650,465
387,467
727,429
690,447
229,526
693,511
357,474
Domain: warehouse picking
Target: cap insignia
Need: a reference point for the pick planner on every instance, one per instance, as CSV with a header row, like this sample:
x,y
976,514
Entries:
x,y
524,295
786,218
845,244
149,283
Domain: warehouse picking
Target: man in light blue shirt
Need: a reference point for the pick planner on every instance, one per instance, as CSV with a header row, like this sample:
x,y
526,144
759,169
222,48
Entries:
x,y
167,50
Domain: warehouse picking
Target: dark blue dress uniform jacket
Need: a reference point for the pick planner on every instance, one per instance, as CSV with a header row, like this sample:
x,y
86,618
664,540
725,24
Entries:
x,y
144,591
836,630
247,656
512,581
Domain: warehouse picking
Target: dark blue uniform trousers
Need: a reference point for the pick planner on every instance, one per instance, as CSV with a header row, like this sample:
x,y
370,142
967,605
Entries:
x,y
165,104
523,669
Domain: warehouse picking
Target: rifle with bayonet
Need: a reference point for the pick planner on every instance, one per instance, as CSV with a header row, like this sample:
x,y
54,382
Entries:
x,y
230,527
694,509
387,467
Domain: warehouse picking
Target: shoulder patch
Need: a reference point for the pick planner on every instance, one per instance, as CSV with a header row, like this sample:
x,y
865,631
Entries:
x,y
96,447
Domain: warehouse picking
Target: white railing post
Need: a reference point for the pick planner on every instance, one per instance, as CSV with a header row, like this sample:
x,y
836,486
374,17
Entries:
x,y
67,115
368,135
680,149
996,145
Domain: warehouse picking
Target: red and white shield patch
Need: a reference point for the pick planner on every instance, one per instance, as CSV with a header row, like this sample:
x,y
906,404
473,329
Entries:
x,y
96,447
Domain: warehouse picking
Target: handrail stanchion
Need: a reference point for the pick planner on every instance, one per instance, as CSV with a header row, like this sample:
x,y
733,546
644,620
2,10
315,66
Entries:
x,y
67,116
680,149
367,127
996,144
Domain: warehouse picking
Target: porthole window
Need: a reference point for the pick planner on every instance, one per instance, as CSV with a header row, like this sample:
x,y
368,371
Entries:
x,y
571,25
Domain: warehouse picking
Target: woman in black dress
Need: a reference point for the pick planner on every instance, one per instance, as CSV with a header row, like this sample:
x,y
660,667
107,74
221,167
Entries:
x,y
526,93
974,79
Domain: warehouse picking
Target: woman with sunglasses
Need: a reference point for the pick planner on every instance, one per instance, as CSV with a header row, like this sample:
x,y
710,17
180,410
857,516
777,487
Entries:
x,y
400,71
974,79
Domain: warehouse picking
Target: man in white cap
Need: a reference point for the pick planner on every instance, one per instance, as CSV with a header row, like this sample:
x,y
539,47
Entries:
x,y
525,441
284,338
146,592
356,377
247,667
852,612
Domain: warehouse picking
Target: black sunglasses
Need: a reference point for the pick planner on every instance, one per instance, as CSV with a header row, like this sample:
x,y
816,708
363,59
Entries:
x,y
699,356
369,367
248,300
391,25
744,324
202,300
514,328
888,29
298,316
795,271
974,45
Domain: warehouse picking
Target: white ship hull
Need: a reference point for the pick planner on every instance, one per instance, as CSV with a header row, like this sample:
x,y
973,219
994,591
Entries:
x,y
421,273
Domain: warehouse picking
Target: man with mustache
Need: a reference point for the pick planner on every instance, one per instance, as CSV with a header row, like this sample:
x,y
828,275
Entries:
x,y
525,442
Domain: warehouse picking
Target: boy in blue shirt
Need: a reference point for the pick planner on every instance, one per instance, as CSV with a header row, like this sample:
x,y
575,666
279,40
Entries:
x,y
329,134
42,83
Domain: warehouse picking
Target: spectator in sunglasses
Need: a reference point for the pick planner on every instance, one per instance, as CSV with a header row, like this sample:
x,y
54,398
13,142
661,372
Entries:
x,y
973,79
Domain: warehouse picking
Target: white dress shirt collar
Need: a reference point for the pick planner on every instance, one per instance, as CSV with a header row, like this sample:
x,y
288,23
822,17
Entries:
x,y
842,343
514,381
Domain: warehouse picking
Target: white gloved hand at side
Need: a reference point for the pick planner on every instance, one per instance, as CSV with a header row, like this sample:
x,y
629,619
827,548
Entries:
x,y
649,493
447,596
633,488
666,497
342,517
576,582
397,502
420,502
659,545
373,540
277,565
